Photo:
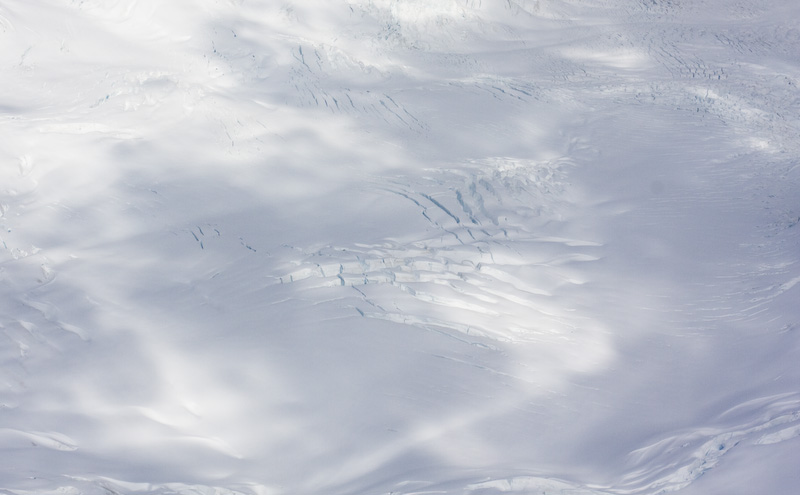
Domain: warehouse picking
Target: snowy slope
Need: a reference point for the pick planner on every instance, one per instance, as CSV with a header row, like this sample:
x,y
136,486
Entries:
x,y
383,246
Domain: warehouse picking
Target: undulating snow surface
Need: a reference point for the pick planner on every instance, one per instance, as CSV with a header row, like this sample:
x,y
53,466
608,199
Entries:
x,y
399,246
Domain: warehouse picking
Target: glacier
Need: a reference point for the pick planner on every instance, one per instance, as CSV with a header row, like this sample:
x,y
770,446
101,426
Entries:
x,y
399,247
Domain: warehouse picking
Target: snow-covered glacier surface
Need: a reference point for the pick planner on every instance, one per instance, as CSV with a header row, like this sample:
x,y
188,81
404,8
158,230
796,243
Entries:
x,y
399,247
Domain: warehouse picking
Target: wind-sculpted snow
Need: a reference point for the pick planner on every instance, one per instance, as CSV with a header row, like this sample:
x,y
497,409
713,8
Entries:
x,y
405,247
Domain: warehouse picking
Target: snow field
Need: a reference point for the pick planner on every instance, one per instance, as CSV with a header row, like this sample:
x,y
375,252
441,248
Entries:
x,y
398,247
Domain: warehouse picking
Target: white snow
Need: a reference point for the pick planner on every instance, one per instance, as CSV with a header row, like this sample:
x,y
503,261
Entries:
x,y
406,247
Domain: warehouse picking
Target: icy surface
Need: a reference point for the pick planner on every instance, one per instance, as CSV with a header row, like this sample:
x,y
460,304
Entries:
x,y
383,246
